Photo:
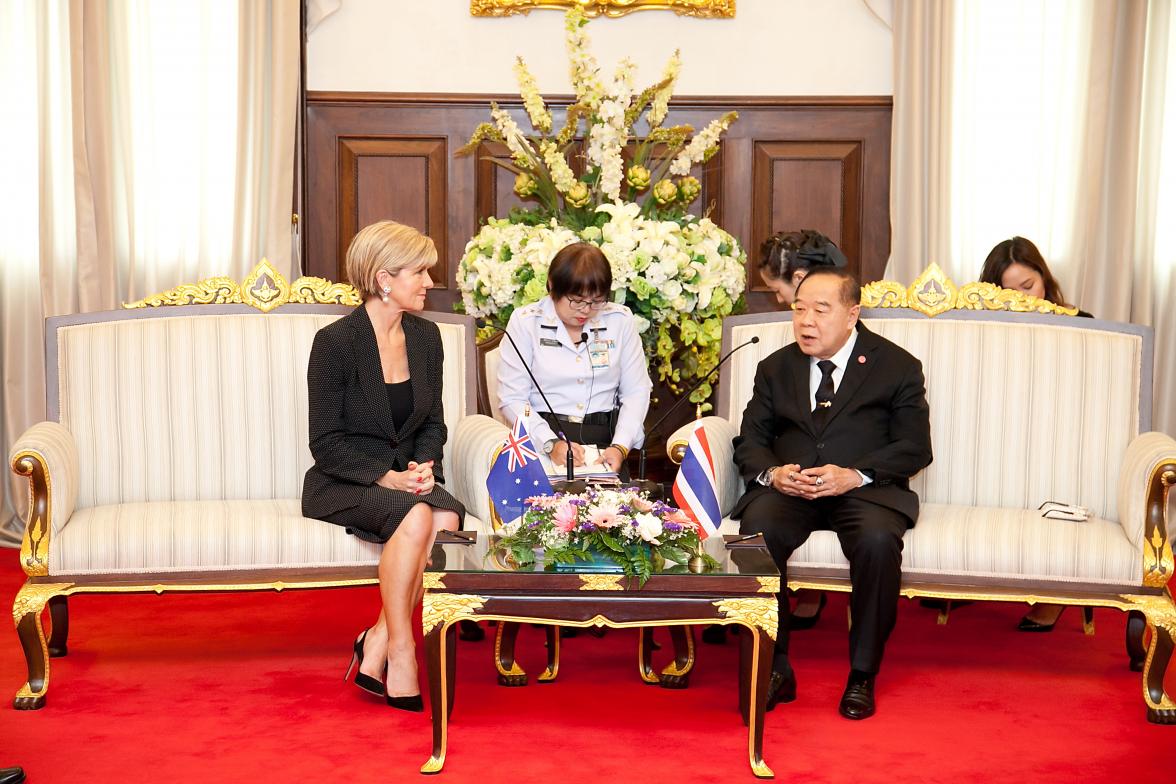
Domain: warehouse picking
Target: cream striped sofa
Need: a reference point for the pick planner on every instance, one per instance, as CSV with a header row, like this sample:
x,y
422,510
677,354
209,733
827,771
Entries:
x,y
174,455
1025,408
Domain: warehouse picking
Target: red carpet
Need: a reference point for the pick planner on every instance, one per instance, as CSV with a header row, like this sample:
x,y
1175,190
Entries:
x,y
247,687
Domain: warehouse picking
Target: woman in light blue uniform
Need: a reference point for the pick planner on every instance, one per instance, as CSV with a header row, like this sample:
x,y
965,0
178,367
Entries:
x,y
586,353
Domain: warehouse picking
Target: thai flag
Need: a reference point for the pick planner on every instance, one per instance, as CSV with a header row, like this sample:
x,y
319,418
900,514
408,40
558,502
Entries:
x,y
516,474
695,489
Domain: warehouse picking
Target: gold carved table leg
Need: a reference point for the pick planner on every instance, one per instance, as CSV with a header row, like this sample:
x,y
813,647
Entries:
x,y
676,674
509,671
755,653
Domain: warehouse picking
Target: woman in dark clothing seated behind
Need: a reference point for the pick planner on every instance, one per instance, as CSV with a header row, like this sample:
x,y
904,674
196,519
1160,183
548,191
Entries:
x,y
376,434
1017,264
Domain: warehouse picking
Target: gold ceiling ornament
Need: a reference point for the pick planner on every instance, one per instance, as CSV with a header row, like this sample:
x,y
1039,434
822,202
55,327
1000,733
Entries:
x,y
263,288
703,9
757,612
933,293
601,582
446,607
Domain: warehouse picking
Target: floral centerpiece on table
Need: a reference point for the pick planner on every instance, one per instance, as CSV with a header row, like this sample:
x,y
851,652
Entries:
x,y
679,274
623,525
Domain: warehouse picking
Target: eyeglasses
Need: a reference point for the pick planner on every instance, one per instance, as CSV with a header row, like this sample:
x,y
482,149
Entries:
x,y
586,304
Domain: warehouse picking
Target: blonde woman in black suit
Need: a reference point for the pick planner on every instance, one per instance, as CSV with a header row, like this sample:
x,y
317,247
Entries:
x,y
376,434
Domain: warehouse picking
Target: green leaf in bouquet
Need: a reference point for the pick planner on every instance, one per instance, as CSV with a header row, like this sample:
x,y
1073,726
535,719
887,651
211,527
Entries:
x,y
675,554
522,553
610,541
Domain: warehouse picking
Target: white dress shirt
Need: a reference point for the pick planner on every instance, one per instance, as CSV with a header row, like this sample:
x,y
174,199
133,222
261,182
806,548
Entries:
x,y
840,360
564,366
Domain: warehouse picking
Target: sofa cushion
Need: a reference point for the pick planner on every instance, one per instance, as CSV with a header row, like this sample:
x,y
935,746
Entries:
x,y
960,544
204,536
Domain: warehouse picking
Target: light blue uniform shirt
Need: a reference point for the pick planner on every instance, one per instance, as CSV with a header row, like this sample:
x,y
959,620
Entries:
x,y
579,378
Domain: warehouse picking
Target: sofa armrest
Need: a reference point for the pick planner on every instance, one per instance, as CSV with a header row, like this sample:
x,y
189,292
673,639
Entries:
x,y
474,443
1147,475
719,434
47,454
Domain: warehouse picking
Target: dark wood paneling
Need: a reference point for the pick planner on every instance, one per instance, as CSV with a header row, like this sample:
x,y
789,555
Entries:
x,y
365,154
494,187
808,185
391,178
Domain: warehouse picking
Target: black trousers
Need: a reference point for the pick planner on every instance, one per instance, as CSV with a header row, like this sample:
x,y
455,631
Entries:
x,y
871,538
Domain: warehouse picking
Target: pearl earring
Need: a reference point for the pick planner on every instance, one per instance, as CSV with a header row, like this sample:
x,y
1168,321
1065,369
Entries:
x,y
387,291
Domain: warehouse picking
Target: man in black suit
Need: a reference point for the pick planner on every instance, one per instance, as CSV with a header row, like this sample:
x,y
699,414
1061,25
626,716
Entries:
x,y
836,426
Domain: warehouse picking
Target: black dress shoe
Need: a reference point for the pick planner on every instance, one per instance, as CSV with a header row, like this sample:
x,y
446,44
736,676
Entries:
x,y
715,634
470,631
781,688
11,775
801,622
858,700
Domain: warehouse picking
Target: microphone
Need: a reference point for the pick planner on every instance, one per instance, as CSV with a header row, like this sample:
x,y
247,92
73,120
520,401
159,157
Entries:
x,y
571,470
679,401
583,338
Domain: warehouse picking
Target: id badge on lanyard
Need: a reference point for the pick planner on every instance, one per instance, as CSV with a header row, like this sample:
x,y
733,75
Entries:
x,y
598,354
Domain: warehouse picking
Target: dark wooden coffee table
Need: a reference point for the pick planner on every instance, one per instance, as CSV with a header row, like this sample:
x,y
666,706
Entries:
x,y
464,583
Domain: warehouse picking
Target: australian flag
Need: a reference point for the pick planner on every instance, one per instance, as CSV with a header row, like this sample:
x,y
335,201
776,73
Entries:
x,y
517,474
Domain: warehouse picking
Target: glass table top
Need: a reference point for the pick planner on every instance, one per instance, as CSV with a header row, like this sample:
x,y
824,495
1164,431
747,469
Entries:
x,y
482,555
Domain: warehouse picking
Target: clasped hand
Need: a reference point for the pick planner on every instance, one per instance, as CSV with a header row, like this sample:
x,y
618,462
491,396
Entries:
x,y
819,482
418,479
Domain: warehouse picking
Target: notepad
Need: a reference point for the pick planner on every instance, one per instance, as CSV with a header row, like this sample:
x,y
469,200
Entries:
x,y
592,469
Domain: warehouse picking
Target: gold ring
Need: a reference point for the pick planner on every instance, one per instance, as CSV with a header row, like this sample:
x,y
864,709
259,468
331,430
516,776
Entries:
x,y
791,476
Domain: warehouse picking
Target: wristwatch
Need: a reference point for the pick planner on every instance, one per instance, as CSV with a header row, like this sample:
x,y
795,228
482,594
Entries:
x,y
765,477
548,445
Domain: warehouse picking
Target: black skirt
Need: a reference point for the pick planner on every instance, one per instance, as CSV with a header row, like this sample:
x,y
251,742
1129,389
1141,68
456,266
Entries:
x,y
380,511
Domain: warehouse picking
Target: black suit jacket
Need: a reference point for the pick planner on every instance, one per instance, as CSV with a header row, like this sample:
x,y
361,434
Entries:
x,y
352,437
879,422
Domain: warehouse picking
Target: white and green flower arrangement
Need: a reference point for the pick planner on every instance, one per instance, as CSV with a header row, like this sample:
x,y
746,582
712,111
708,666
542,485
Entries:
x,y
679,274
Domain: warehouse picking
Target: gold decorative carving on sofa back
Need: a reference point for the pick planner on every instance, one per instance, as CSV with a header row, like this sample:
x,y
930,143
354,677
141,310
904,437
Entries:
x,y
933,293
263,288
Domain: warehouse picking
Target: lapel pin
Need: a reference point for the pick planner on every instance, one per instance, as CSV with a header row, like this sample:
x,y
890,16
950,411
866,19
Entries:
x,y
861,359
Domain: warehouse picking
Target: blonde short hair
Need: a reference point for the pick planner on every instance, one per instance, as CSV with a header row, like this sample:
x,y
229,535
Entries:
x,y
390,246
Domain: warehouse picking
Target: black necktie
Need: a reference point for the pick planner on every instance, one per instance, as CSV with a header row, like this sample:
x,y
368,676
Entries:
x,y
824,394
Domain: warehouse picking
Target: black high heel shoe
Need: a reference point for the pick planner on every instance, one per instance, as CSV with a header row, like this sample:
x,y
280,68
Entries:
x,y
366,682
412,703
800,622
1027,624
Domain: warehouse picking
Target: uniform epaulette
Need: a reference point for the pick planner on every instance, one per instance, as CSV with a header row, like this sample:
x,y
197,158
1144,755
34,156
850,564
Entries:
x,y
534,309
613,307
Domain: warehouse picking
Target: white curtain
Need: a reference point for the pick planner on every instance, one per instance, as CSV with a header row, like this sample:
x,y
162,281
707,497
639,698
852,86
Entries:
x,y
1047,120
148,144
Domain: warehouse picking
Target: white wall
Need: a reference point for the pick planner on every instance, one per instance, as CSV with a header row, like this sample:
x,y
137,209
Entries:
x,y
772,47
